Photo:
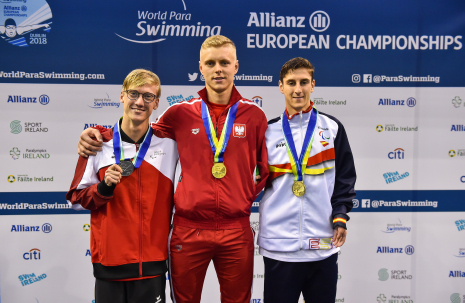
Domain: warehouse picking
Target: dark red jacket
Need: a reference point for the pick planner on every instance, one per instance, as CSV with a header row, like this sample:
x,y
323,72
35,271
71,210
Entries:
x,y
202,201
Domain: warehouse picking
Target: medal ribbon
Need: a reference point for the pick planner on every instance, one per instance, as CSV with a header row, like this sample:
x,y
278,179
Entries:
x,y
119,151
218,147
299,165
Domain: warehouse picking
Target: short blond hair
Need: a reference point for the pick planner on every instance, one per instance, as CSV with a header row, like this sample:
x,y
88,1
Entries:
x,y
139,77
218,41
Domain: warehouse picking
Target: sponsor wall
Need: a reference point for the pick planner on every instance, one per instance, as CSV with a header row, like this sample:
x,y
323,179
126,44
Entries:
x,y
390,72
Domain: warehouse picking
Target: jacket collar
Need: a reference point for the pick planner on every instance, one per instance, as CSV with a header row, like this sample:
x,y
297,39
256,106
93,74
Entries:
x,y
235,96
303,112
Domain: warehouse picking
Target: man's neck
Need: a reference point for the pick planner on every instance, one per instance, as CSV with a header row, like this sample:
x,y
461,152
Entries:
x,y
219,97
134,130
292,111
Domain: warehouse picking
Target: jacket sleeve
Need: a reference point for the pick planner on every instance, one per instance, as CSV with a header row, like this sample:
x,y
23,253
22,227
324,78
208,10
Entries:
x,y
344,184
86,190
262,155
163,127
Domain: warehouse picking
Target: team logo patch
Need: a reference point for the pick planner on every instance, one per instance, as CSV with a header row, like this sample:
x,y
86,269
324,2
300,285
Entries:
x,y
325,136
195,131
239,130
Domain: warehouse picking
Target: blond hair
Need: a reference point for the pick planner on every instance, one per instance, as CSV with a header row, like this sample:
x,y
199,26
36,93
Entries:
x,y
140,77
218,41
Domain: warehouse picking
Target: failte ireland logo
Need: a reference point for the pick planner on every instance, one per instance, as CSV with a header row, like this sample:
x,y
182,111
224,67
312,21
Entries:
x,y
26,25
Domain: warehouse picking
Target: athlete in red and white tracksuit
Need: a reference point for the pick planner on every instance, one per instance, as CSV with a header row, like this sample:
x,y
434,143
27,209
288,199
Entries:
x,y
130,221
211,219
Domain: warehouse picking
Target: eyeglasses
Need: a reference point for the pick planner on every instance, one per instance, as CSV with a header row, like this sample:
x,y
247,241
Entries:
x,y
134,95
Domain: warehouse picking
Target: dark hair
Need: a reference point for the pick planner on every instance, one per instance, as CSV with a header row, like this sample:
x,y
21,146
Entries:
x,y
10,21
296,63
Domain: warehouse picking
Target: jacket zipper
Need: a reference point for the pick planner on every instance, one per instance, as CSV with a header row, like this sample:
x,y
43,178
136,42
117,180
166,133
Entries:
x,y
140,220
216,181
301,198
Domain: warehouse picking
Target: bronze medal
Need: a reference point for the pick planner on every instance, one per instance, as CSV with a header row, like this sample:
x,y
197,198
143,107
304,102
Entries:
x,y
219,170
298,188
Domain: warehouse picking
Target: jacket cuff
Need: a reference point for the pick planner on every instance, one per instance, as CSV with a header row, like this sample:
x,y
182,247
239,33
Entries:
x,y
340,220
105,190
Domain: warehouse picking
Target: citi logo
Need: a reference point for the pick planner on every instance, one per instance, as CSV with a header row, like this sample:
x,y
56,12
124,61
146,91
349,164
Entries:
x,y
398,153
411,102
258,100
33,254
281,144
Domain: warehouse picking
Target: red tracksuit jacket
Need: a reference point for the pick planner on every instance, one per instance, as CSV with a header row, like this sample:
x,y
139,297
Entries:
x,y
201,200
130,225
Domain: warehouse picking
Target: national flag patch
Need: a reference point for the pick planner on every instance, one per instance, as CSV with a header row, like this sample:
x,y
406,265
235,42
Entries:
x,y
324,143
239,130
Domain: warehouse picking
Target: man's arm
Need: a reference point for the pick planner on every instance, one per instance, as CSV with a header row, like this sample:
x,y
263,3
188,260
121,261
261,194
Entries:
x,y
344,185
22,29
90,141
262,155
87,190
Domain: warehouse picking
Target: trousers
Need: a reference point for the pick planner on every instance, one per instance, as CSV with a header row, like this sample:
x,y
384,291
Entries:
x,y
192,250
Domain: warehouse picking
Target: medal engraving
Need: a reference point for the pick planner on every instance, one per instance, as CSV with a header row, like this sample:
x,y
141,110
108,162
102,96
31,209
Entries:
x,y
218,170
298,188
127,167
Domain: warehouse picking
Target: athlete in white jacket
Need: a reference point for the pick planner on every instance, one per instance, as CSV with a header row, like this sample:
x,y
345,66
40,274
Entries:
x,y
310,189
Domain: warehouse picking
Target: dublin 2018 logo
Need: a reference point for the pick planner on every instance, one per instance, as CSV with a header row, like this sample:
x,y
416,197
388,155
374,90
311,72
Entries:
x,y
24,25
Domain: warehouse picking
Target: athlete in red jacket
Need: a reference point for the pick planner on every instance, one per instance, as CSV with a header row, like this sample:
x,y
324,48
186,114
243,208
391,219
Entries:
x,y
130,203
216,187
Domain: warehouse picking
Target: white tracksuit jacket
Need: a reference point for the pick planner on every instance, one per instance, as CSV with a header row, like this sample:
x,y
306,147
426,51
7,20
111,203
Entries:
x,y
289,223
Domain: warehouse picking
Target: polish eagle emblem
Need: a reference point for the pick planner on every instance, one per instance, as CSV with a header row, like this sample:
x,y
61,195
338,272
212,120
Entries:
x,y
239,130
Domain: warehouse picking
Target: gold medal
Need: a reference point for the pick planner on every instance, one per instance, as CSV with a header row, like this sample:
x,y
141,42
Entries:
x,y
219,170
298,188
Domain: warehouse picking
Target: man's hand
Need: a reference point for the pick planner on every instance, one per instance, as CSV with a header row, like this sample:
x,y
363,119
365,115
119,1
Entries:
x,y
258,178
87,146
340,235
113,175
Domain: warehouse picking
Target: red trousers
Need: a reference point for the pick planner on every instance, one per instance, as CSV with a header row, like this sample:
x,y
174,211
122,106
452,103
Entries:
x,y
232,252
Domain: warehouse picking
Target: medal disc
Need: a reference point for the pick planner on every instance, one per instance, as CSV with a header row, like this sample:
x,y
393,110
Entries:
x,y
218,170
127,167
298,188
